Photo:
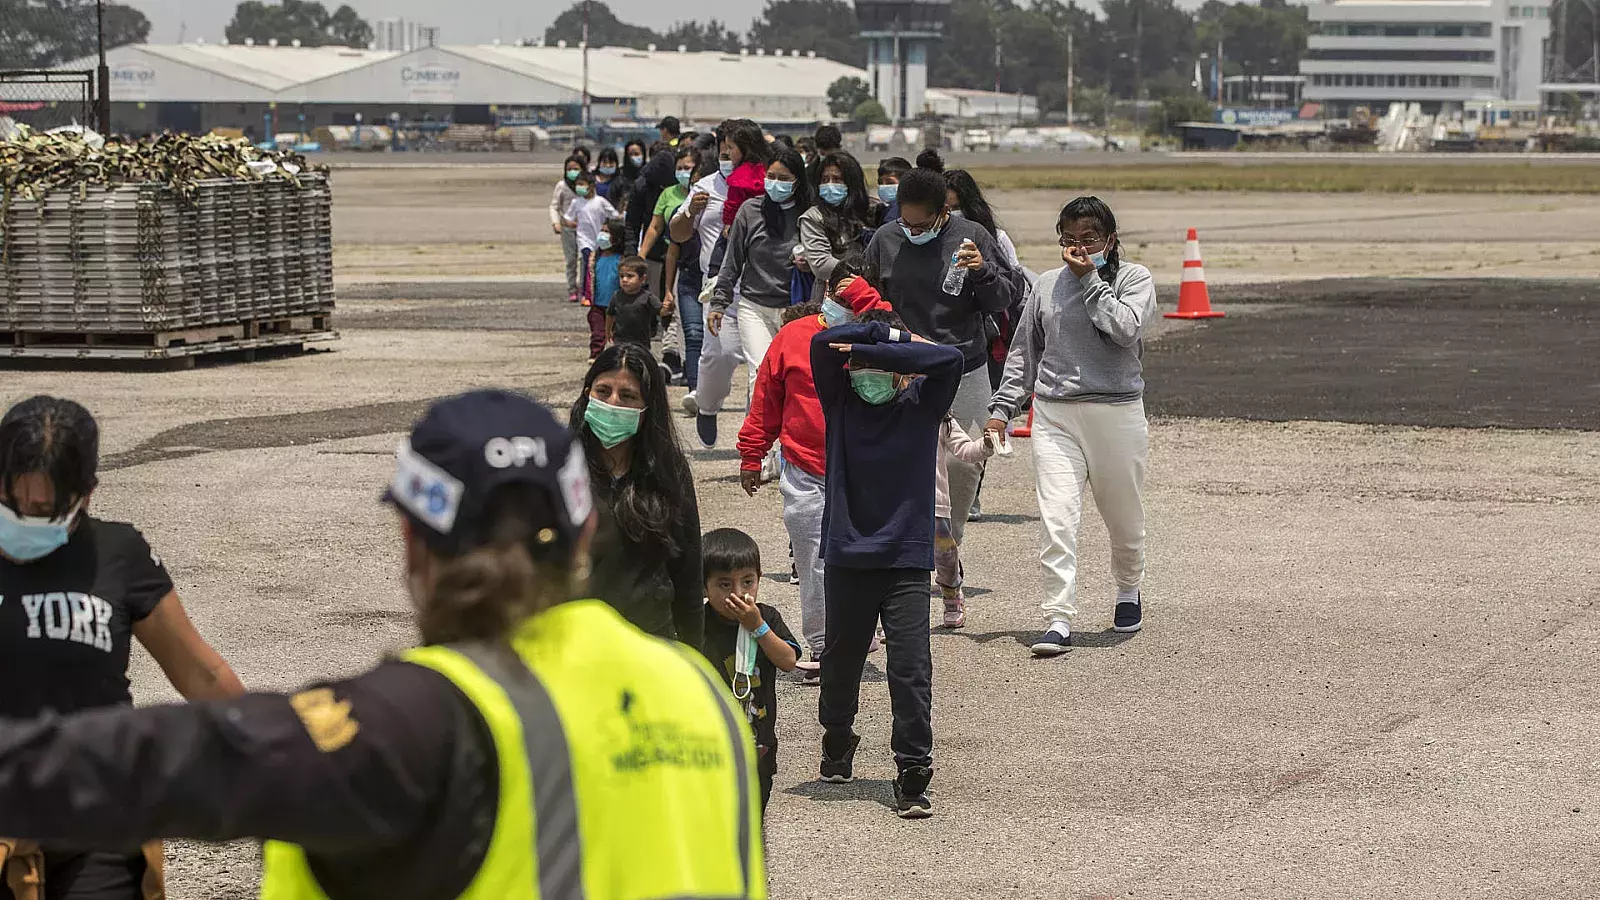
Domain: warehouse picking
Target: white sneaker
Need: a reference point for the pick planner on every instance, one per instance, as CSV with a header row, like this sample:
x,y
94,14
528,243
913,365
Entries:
x,y
691,404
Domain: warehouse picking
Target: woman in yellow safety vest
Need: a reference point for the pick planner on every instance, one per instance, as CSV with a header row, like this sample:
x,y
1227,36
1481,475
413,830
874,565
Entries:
x,y
535,747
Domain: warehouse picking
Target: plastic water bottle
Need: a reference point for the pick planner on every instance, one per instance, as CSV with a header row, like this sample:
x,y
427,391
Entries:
x,y
955,277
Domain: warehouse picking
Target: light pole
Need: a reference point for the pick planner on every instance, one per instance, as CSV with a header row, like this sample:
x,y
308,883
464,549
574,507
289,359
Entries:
x,y
102,100
584,47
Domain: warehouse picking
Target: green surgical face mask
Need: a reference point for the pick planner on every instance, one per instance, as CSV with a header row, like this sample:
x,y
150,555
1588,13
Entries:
x,y
572,174
876,388
611,425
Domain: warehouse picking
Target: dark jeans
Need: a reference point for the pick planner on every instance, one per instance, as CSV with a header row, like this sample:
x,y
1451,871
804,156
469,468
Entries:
x,y
693,315
766,768
856,600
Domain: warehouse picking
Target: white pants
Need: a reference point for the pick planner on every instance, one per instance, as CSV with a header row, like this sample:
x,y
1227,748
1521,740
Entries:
x,y
1106,445
804,497
971,410
720,355
758,325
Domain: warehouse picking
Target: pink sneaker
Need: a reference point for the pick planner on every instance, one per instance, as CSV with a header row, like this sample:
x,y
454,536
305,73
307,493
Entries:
x,y
572,297
955,607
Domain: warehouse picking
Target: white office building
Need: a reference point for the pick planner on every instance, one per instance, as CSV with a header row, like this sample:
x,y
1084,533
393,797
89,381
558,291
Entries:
x,y
1457,58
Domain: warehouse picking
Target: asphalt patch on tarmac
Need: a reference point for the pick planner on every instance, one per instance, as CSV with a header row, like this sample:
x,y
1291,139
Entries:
x,y
1503,353
288,430
462,306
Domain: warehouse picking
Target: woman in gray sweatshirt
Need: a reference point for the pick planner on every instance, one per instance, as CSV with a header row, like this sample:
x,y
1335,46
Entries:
x,y
760,259
1078,350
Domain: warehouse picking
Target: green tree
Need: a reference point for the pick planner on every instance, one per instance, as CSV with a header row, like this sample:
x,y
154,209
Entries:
x,y
1189,107
826,26
605,29
869,113
1145,39
697,37
38,34
310,23
847,93
1256,40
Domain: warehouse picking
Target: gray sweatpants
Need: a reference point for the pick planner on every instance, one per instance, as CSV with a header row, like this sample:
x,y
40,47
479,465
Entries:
x,y
804,496
971,409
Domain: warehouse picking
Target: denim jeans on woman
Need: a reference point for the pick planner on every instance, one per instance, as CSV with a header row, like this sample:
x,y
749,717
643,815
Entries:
x,y
692,316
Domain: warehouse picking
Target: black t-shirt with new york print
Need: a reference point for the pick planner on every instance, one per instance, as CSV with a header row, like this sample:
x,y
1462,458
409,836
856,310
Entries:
x,y
66,620
721,648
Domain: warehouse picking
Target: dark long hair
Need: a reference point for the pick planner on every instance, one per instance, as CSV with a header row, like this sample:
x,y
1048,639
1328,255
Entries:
x,y
648,500
1094,208
628,168
746,135
54,437
771,212
607,153
844,222
973,207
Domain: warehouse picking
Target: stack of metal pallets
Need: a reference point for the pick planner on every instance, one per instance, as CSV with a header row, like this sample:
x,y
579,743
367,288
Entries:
x,y
135,271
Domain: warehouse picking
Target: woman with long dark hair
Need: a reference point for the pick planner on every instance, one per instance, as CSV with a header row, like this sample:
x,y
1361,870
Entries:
x,y
1078,351
840,219
760,261
647,546
75,591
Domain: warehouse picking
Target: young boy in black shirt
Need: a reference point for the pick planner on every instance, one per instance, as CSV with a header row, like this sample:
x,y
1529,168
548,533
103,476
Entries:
x,y
634,308
732,564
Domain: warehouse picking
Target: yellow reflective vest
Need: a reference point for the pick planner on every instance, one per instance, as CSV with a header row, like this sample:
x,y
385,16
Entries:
x,y
626,772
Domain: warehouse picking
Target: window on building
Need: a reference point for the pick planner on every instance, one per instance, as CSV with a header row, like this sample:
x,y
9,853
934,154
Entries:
x,y
1514,12
1544,12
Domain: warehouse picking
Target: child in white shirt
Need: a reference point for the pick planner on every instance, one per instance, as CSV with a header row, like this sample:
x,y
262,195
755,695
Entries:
x,y
588,214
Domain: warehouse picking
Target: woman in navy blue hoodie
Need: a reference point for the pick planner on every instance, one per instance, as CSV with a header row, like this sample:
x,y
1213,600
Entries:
x,y
877,533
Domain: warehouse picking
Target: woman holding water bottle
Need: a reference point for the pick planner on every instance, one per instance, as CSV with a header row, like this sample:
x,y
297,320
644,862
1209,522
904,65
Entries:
x,y
944,277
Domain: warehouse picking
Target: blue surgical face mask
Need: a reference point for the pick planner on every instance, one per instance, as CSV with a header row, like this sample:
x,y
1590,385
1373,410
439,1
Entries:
x,y
833,194
887,192
636,160
608,170
725,166
604,240
920,239
1098,259
835,313
683,179
780,191
29,538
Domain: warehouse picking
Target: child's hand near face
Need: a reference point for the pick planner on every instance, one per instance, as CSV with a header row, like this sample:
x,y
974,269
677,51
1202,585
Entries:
x,y
744,609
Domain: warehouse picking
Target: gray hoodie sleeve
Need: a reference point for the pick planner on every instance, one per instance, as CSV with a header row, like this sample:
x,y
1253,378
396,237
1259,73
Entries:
x,y
1022,363
1121,309
733,262
818,249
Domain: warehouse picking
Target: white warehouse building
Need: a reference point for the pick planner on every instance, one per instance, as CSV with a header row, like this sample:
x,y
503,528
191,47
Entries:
x,y
198,87
1454,57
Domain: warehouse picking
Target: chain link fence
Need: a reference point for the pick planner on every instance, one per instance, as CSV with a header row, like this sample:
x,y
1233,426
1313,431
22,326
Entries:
x,y
47,99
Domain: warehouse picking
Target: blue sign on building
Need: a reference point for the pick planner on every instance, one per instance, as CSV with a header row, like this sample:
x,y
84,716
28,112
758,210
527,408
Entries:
x,y
1235,116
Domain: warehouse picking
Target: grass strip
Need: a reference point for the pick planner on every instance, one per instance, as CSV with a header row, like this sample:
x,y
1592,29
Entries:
x,y
1329,178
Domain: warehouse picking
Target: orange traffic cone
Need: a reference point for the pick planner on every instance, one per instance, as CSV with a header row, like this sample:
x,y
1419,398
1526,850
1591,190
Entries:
x,y
1194,301
1024,430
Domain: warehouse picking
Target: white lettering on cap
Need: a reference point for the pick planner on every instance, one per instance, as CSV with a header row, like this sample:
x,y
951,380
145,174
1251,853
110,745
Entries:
x,y
503,453
574,479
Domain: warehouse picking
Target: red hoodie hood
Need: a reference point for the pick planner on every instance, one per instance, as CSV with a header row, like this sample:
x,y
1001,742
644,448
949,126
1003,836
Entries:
x,y
862,296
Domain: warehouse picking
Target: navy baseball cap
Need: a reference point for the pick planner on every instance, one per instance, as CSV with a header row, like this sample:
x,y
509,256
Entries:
x,y
464,447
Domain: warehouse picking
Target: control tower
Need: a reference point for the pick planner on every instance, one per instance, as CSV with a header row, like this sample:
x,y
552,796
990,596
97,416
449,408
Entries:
x,y
899,35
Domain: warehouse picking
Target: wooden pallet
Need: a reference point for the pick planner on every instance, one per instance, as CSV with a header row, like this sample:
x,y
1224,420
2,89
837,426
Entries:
x,y
187,342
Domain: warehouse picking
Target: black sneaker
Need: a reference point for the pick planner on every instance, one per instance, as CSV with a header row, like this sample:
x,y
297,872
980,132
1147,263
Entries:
x,y
706,427
840,769
911,793
1130,615
1053,642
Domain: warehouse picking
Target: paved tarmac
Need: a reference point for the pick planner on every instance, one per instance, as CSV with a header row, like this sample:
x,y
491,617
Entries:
x,y
1368,667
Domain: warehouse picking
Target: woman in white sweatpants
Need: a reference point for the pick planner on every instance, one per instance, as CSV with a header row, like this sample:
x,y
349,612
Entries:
x,y
1078,350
